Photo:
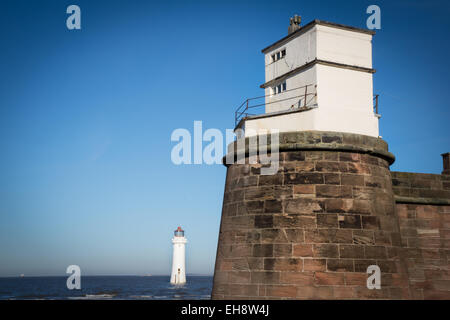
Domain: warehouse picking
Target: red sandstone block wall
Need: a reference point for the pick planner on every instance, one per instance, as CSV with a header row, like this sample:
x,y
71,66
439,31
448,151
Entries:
x,y
425,232
310,231
423,210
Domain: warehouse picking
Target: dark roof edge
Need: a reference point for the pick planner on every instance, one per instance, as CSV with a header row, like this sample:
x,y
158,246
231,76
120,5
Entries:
x,y
308,26
313,62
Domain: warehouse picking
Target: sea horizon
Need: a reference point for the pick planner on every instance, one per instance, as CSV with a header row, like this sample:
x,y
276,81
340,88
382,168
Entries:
x,y
108,275
94,287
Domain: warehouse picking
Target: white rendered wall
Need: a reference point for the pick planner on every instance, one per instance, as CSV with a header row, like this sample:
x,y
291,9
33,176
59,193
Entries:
x,y
299,121
344,104
323,43
307,77
344,96
178,261
343,46
299,51
345,101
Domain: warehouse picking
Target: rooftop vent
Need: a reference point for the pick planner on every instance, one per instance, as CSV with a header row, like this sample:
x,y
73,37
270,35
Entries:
x,y
294,24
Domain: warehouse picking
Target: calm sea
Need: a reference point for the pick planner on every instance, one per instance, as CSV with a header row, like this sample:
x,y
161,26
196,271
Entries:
x,y
106,287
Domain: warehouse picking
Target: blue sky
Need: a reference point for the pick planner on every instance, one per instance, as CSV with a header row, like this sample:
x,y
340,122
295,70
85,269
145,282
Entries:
x,y
86,118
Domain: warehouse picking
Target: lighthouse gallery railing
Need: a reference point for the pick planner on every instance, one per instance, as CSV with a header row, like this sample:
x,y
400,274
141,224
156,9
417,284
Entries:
x,y
248,109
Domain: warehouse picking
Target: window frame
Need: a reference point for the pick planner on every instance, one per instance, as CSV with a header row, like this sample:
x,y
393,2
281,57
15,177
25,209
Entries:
x,y
278,55
279,88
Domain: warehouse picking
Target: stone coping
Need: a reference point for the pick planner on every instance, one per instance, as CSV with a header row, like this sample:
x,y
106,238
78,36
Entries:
x,y
421,188
322,141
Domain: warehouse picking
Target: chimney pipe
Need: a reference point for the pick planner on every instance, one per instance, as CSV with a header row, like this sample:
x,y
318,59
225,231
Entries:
x,y
446,160
294,24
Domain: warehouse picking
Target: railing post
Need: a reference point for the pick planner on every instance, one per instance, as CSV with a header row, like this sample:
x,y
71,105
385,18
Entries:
x,y
376,104
306,90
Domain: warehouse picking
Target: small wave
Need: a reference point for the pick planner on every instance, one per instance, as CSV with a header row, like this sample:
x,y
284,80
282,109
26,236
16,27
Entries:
x,y
142,297
34,296
100,296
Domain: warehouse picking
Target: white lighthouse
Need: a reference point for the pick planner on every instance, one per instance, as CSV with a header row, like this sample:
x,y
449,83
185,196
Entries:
x,y
179,257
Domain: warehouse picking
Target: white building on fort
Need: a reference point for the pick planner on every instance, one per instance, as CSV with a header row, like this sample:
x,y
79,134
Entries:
x,y
318,77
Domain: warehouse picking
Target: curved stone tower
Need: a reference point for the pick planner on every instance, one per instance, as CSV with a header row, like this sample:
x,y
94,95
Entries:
x,y
311,230
331,216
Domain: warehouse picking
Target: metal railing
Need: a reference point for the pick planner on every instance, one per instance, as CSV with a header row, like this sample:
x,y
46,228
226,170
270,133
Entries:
x,y
308,90
375,103
305,91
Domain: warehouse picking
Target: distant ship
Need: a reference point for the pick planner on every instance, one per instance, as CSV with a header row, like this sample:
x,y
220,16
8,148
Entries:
x,y
22,275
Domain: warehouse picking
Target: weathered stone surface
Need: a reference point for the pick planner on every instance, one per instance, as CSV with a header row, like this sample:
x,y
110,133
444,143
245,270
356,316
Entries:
x,y
263,250
273,206
263,221
304,178
294,220
333,208
340,265
332,178
349,221
274,236
325,250
303,250
265,277
282,250
351,251
315,264
327,220
332,191
328,236
303,205
283,264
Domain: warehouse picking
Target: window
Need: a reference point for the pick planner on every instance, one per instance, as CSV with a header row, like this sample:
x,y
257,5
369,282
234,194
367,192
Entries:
x,y
279,88
278,55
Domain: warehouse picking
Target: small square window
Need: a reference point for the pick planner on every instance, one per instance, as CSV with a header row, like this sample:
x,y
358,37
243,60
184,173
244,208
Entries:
x,y
278,55
283,52
273,58
284,86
